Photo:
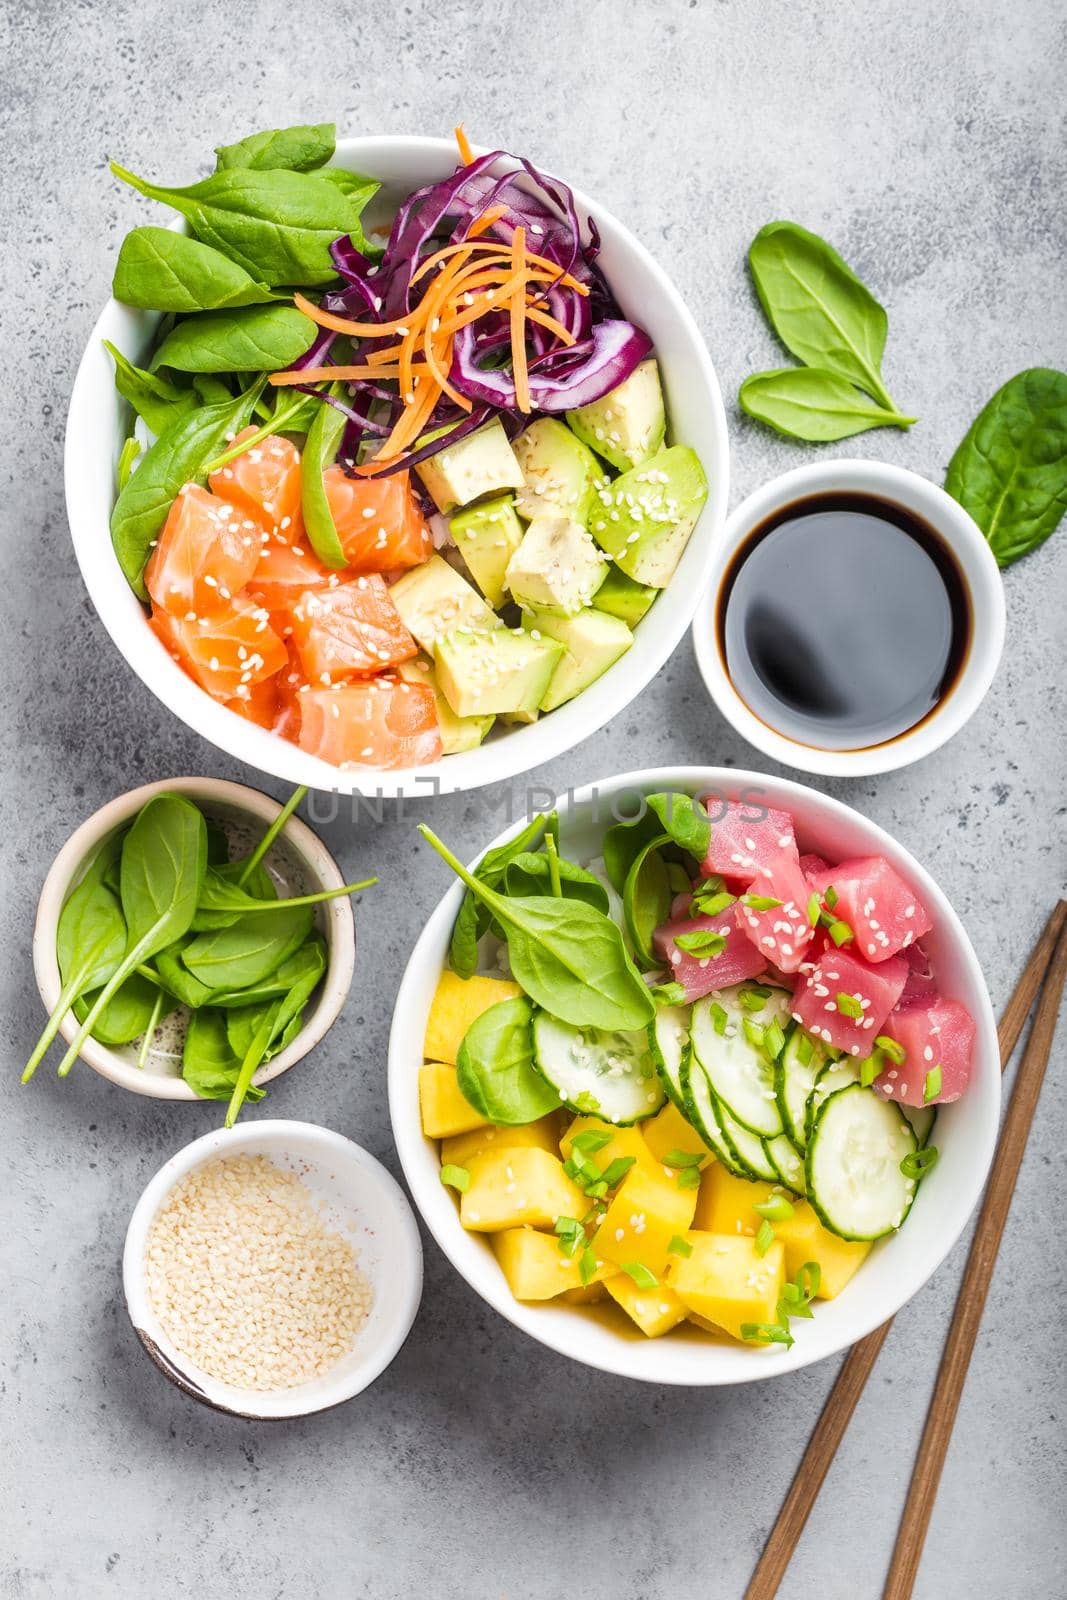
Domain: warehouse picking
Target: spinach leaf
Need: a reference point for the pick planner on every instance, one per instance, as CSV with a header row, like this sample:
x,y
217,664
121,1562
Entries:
x,y
809,403
319,452
309,961
164,855
818,307
530,873
128,1013
177,981
90,943
276,1025
496,1071
300,149
568,957
156,399
277,224
208,1064
218,845
251,862
177,457
623,843
243,1024
249,949
252,338
646,899
683,819
222,902
474,919
161,270
1010,471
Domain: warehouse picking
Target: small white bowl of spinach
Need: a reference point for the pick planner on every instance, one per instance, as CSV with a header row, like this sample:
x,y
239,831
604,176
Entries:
x,y
194,940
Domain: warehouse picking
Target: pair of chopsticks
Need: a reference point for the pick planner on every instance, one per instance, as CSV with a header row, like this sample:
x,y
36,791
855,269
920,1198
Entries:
x,y
1044,973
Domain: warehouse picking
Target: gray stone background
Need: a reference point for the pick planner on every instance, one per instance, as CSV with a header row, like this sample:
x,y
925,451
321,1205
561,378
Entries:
x,y
927,143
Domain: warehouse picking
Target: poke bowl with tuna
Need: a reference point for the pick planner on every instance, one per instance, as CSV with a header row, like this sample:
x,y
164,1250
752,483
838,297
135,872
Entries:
x,y
706,1055
392,477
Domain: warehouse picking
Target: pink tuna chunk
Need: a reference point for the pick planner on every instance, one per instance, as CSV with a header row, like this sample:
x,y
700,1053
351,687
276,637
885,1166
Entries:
x,y
700,974
811,864
875,990
782,933
883,912
741,843
933,1033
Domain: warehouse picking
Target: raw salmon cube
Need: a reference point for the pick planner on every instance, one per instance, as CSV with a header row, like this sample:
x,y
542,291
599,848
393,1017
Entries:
x,y
380,723
352,630
378,521
284,571
205,554
225,654
264,482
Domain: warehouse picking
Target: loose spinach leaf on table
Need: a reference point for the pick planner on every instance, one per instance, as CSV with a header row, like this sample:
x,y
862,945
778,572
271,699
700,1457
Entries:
x,y
813,404
160,402
277,224
319,452
249,949
161,270
164,856
530,873
300,149
568,957
209,1065
474,917
496,1071
177,457
1010,471
252,338
818,307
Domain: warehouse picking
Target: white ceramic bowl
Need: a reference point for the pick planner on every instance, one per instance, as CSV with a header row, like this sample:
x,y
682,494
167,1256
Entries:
x,y
361,1200
981,578
298,854
896,1268
95,432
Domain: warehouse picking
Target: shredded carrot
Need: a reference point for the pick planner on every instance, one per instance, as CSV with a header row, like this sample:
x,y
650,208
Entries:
x,y
518,322
486,220
534,314
551,268
341,374
466,154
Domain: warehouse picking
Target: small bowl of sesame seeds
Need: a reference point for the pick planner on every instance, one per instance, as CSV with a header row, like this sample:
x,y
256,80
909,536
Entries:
x,y
272,1270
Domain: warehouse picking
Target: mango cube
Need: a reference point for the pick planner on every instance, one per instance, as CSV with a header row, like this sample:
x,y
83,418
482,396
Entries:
x,y
656,1311
725,1203
727,1282
648,1210
586,1296
535,1266
668,1131
622,1142
455,1005
463,1147
805,1239
518,1188
443,1107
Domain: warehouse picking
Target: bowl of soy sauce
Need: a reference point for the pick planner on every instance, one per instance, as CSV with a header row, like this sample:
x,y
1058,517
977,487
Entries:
x,y
854,621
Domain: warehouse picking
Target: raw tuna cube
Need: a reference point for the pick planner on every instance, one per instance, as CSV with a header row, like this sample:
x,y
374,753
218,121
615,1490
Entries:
x,y
811,864
741,843
783,932
920,984
882,911
934,1033
841,978
700,974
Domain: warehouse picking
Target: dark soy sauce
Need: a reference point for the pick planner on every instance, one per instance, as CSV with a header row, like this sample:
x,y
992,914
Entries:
x,y
843,621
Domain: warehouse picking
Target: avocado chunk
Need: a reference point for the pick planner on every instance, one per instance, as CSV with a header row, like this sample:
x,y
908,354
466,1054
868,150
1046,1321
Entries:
x,y
487,536
433,599
592,641
653,510
480,464
624,598
485,674
457,733
557,567
562,475
627,424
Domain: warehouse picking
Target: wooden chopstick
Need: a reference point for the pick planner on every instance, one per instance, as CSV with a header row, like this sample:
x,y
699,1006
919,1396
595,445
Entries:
x,y
952,1373
859,1363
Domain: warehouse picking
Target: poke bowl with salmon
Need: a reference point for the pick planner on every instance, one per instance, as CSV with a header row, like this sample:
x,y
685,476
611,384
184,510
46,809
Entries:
x,y
390,457
696,1080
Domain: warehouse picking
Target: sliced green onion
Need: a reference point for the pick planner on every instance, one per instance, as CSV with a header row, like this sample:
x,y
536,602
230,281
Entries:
x,y
719,1019
760,902
840,932
896,1052
597,1189
616,1170
682,1158
701,942
932,1084
669,994
587,1265
715,904
592,1140
689,1179
809,1279
814,909
776,1209
830,897
773,1039
640,1274
566,1227
767,1333
805,1049
587,1103
753,1032
679,1247
456,1177
870,1067
848,1005
917,1163
754,998
764,1237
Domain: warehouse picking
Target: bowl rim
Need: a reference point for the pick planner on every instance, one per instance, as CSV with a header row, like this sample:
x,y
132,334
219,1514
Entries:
x,y
978,570
543,740
220,1142
260,806
476,1265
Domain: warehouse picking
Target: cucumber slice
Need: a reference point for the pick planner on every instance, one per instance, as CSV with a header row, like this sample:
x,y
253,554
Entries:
x,y
835,1075
598,1071
788,1162
703,1111
922,1119
853,1164
741,1074
668,1039
795,1073
749,1150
